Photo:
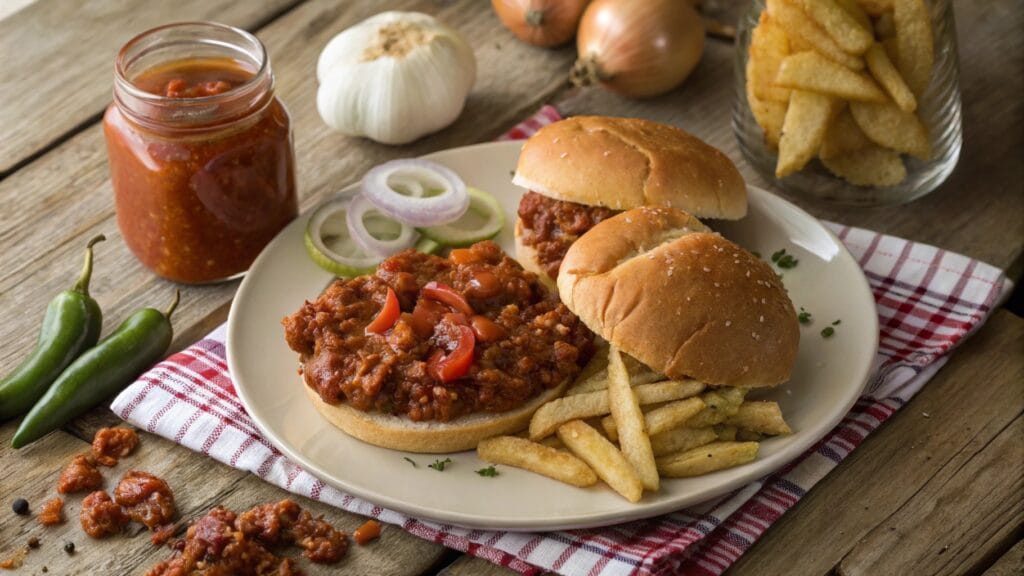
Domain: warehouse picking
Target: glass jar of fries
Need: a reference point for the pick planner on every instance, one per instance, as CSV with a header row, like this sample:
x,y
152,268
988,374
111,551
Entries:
x,y
855,102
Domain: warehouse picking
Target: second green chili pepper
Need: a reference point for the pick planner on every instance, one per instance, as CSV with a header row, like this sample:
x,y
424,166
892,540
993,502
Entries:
x,y
137,344
71,325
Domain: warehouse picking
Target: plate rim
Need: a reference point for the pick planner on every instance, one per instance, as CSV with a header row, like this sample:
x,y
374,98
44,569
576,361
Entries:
x,y
768,466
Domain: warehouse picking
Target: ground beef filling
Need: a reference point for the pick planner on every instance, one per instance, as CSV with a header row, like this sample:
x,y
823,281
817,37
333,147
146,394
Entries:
x,y
526,340
551,226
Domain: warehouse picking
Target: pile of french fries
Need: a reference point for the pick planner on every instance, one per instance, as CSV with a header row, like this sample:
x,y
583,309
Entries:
x,y
629,426
841,80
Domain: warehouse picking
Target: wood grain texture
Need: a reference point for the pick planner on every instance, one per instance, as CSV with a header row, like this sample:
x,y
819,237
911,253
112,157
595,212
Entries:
x,y
67,47
1009,564
979,211
472,566
198,484
954,426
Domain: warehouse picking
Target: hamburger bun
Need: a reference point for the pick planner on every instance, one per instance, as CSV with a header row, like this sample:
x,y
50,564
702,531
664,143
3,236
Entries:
x,y
668,291
401,433
624,163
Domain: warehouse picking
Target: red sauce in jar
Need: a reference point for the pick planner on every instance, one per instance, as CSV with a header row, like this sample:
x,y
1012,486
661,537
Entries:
x,y
201,164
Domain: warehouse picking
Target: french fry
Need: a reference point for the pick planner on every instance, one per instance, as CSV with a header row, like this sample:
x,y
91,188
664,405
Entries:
x,y
521,453
840,24
803,130
915,54
768,114
660,419
762,417
680,439
551,415
843,136
629,421
552,442
888,126
858,13
875,7
721,404
869,166
748,436
885,27
813,72
887,75
799,26
596,378
603,458
726,432
768,46
708,458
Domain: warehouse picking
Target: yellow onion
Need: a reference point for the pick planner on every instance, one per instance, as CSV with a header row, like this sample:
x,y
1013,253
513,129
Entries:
x,y
541,22
638,48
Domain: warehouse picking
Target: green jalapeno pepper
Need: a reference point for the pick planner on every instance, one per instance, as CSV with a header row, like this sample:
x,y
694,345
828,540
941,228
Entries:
x,y
71,325
137,344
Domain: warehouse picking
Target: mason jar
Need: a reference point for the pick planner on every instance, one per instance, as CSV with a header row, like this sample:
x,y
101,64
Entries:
x,y
938,108
200,151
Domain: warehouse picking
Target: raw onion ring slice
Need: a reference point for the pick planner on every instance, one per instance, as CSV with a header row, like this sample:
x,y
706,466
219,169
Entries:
x,y
426,210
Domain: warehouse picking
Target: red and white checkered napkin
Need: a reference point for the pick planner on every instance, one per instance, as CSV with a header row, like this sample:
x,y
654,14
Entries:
x,y
928,301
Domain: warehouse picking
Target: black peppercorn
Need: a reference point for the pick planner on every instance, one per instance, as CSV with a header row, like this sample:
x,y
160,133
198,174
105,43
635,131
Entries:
x,y
20,506
69,547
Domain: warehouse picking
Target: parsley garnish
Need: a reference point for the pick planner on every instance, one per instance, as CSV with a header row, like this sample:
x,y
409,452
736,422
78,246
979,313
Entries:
x,y
804,316
827,332
410,461
440,464
489,472
783,260
837,322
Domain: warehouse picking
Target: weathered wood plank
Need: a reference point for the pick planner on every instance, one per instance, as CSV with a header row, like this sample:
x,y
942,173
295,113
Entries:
x,y
70,185
198,484
968,405
966,514
976,212
58,57
1010,564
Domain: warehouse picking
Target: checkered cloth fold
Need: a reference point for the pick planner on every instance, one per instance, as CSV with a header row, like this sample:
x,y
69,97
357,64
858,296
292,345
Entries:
x,y
928,301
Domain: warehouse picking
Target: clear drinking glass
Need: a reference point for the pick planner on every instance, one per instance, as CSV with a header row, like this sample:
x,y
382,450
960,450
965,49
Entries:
x,y
938,108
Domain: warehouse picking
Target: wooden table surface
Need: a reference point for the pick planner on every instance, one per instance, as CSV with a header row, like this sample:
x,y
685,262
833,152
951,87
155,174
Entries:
x,y
937,490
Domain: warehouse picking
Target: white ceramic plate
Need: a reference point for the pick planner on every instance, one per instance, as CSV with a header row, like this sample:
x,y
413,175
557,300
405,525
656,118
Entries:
x,y
828,378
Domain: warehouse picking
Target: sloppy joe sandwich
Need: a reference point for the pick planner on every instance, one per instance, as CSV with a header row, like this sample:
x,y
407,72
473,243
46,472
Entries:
x,y
688,303
583,170
433,354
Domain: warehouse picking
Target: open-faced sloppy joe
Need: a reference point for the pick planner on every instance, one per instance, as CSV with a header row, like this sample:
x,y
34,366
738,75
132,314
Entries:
x,y
434,338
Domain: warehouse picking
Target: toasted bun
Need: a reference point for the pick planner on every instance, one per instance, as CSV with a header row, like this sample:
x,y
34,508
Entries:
x,y
624,163
680,298
527,256
400,433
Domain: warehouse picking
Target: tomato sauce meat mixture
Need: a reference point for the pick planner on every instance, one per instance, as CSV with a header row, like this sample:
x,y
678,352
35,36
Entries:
x,y
550,226
81,475
111,444
146,499
223,543
101,516
52,512
436,338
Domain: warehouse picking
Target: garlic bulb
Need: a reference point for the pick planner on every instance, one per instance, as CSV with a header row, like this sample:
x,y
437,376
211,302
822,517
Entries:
x,y
394,77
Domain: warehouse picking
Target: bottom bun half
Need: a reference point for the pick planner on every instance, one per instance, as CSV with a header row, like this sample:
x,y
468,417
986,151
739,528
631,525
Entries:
x,y
401,433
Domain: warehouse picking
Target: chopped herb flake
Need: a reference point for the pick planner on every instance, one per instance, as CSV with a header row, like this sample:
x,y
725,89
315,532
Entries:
x,y
440,464
828,332
778,254
837,322
783,260
489,472
804,316
410,461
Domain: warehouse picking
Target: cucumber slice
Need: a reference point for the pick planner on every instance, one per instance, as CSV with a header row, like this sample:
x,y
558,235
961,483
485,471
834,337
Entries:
x,y
330,246
482,221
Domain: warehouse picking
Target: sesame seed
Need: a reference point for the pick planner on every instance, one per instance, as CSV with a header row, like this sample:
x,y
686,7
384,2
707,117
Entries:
x,y
607,152
735,261
563,154
728,323
761,319
748,273
706,269
629,220
763,301
717,285
555,141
